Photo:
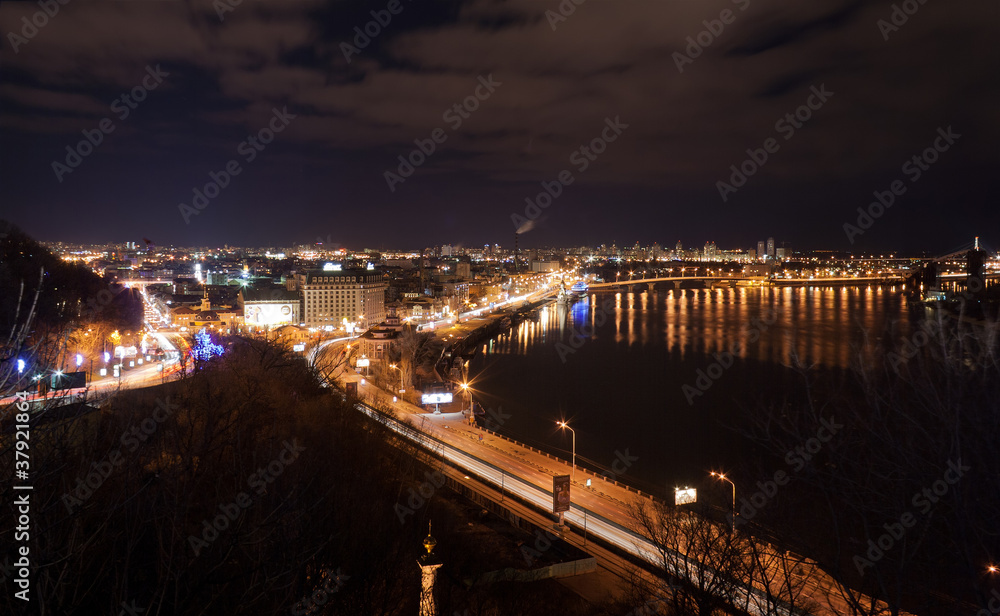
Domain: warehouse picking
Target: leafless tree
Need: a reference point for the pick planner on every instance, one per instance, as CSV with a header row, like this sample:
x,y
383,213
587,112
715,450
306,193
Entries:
x,y
896,508
704,565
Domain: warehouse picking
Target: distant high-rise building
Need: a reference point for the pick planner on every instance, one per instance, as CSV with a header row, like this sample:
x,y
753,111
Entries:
x,y
780,254
446,250
761,250
710,251
679,250
770,248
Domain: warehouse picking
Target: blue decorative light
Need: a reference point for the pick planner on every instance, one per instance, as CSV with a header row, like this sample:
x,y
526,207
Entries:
x,y
205,349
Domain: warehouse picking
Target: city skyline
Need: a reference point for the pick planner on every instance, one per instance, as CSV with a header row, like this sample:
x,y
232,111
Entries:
x,y
515,115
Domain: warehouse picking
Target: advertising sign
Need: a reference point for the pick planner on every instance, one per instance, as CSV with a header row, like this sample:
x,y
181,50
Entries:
x,y
267,315
436,398
685,496
298,348
122,351
69,380
364,362
560,493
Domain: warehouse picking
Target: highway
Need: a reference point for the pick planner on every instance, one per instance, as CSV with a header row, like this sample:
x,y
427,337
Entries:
x,y
497,461
141,376
519,470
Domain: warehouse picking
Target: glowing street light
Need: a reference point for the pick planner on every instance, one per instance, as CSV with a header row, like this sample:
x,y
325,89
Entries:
x,y
465,387
79,360
395,367
723,477
563,424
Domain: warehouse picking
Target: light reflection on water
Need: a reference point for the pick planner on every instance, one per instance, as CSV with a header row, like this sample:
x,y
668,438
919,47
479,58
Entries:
x,y
822,325
615,364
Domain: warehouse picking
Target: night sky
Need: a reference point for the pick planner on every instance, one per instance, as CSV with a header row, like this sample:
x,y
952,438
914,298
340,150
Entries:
x,y
550,77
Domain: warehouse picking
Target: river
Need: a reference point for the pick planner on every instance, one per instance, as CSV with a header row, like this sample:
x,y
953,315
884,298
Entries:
x,y
657,379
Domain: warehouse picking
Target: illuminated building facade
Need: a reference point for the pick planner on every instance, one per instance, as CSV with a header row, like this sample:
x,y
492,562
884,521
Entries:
x,y
331,296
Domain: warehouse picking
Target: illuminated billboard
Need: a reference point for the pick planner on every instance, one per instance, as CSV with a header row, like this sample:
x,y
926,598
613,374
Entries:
x,y
266,315
560,493
122,351
685,496
436,398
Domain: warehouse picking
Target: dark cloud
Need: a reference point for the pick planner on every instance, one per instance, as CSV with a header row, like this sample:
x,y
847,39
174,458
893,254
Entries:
x,y
561,78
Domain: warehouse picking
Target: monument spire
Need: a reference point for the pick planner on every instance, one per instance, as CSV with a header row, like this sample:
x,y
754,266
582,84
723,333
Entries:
x,y
429,565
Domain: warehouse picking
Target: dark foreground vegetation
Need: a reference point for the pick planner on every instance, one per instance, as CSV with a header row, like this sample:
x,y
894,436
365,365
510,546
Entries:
x,y
244,489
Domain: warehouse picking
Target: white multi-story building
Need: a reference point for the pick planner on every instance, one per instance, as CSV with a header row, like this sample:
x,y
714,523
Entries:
x,y
330,297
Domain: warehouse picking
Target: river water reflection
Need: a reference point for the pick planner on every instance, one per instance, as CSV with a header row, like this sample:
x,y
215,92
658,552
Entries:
x,y
615,366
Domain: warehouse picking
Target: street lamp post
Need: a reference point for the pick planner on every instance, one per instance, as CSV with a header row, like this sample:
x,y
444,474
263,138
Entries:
x,y
465,387
472,409
723,477
395,367
573,432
